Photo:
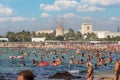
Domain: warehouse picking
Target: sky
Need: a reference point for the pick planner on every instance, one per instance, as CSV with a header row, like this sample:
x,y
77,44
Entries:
x,y
34,15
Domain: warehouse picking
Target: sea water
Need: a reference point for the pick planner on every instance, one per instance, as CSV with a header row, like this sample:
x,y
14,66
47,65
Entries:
x,y
9,69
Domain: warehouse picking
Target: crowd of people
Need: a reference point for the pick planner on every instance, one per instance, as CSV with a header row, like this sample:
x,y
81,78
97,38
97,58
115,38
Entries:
x,y
102,53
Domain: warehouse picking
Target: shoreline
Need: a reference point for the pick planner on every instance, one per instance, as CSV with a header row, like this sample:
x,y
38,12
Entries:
x,y
104,76
59,44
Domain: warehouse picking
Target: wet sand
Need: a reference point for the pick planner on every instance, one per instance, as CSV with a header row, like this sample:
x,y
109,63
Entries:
x,y
105,76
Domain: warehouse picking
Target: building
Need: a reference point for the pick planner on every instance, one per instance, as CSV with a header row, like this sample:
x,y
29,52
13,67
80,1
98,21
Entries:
x,y
38,39
44,31
59,31
113,34
4,39
66,31
88,28
101,34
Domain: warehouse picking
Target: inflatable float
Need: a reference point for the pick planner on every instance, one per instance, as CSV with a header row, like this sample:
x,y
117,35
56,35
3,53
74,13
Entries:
x,y
20,57
16,57
43,64
56,64
12,57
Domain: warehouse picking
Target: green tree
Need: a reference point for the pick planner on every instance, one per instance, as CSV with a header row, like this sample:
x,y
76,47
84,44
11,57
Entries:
x,y
60,38
34,34
78,35
91,35
19,36
70,35
11,36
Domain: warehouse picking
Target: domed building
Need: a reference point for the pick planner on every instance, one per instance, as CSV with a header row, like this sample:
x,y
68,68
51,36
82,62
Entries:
x,y
59,30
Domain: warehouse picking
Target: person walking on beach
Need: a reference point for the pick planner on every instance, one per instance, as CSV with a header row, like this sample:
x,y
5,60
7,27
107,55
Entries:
x,y
89,71
116,69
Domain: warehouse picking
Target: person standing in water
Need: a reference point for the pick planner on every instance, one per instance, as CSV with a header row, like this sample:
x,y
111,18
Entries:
x,y
26,75
116,69
89,71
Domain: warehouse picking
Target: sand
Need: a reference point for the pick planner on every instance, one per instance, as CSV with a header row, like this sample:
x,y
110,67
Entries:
x,y
108,76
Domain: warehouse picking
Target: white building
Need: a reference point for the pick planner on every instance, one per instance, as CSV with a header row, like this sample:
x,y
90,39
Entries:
x,y
38,39
66,31
113,34
4,39
101,34
87,28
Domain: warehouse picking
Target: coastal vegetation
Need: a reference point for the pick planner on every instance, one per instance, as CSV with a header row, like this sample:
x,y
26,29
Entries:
x,y
25,36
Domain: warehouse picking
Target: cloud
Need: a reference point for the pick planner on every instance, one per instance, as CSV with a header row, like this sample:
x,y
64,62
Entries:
x,y
82,5
66,3
45,15
5,11
49,7
4,19
17,19
68,15
87,8
114,19
60,5
21,19
84,18
101,2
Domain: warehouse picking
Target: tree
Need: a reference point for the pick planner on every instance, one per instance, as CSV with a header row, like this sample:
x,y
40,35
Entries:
x,y
34,34
91,35
70,35
19,36
2,36
11,36
78,35
60,38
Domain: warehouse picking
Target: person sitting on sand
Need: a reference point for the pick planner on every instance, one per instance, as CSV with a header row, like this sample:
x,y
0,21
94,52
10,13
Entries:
x,y
25,75
89,71
116,69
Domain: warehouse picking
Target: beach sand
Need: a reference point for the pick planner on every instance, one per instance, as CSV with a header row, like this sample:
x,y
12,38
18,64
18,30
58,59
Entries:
x,y
103,76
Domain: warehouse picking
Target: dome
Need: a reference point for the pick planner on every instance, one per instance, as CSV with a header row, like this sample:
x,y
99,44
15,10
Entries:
x,y
59,27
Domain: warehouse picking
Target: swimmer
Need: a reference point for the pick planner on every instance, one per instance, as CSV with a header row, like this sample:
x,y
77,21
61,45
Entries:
x,y
25,75
81,61
77,61
71,62
109,60
72,56
35,62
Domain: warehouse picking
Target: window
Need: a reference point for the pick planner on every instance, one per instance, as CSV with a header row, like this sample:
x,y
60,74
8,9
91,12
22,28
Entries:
x,y
88,28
